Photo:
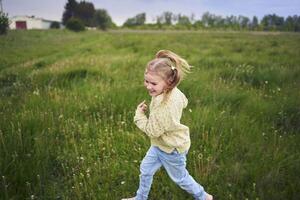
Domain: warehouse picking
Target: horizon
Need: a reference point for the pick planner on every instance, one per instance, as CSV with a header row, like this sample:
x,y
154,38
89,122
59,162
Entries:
x,y
120,12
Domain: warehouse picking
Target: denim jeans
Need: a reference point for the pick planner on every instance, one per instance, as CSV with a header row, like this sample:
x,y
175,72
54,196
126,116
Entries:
x,y
175,165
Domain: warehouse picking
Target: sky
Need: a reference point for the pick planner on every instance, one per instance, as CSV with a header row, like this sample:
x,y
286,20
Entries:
x,y
121,10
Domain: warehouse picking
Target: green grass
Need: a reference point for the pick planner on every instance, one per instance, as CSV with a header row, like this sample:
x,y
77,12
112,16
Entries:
x,y
68,100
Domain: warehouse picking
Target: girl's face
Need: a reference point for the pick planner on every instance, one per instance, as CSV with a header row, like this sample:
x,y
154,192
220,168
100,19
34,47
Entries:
x,y
154,84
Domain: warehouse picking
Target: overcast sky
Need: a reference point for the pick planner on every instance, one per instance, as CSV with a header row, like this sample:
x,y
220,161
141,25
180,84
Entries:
x,y
120,10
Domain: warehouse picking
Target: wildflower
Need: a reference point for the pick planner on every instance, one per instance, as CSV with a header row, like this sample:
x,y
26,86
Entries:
x,y
200,156
190,110
36,92
278,89
122,182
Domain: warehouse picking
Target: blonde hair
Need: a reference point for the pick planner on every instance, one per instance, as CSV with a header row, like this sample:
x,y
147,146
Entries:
x,y
170,66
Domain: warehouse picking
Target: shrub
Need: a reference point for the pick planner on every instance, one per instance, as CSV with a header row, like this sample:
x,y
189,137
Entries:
x,y
55,25
3,23
75,25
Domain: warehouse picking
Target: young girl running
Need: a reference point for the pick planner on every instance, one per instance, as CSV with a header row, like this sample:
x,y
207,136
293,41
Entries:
x,y
170,140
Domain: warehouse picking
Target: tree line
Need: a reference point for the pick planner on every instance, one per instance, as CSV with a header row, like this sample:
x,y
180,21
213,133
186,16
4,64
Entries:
x,y
169,20
85,13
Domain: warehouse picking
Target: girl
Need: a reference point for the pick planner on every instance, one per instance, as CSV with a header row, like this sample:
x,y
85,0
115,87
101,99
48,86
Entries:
x,y
170,140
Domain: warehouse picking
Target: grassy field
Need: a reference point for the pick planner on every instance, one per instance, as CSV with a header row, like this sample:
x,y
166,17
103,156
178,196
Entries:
x,y
68,100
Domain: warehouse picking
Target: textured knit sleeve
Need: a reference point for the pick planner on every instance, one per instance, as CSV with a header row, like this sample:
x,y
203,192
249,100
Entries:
x,y
158,122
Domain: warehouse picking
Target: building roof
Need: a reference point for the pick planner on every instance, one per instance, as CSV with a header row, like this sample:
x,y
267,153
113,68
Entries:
x,y
33,17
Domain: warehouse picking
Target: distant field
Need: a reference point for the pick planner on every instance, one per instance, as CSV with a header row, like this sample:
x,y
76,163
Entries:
x,y
68,100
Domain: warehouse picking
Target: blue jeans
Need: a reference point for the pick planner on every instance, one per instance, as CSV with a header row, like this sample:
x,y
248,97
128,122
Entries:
x,y
175,165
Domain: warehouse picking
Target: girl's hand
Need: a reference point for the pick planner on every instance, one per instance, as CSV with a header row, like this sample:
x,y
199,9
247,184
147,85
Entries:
x,y
142,107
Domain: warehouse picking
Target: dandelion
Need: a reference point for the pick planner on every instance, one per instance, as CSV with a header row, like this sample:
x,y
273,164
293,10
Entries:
x,y
36,92
278,89
200,156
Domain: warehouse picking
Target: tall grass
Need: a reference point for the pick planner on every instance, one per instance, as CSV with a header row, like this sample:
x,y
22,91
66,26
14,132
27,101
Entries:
x,y
68,100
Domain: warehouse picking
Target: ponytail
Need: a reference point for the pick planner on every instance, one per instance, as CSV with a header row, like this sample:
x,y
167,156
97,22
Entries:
x,y
171,67
180,64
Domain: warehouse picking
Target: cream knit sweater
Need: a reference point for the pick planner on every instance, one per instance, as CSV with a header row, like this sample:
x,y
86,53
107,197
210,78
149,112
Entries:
x,y
163,124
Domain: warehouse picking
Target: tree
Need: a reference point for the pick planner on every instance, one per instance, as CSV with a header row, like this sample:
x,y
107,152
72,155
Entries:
x,y
231,22
166,18
4,23
272,22
292,23
102,19
208,19
243,21
137,20
254,23
198,24
85,11
75,24
297,23
289,24
183,20
219,21
70,10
